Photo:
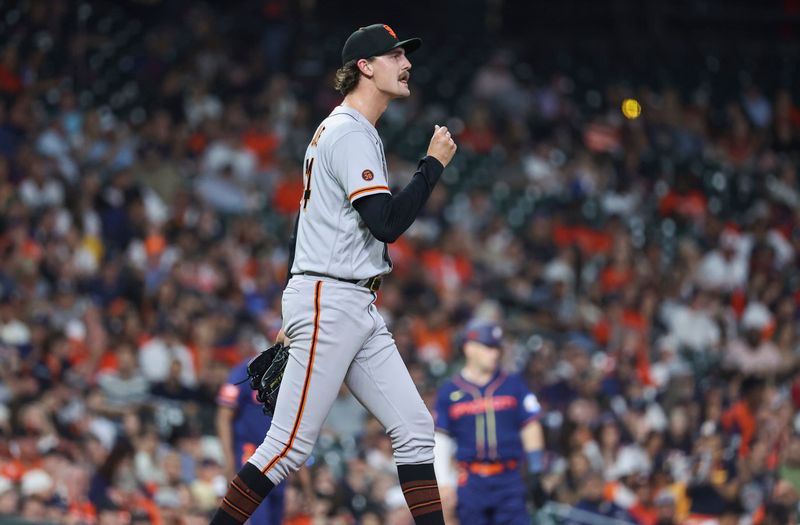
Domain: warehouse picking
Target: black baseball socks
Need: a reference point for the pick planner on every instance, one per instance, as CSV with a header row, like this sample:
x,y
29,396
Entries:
x,y
422,493
247,490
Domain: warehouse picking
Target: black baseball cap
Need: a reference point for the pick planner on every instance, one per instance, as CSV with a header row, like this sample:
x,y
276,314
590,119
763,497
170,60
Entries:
x,y
375,40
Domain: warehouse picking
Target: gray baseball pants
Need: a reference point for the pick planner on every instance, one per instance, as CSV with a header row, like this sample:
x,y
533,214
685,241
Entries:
x,y
337,334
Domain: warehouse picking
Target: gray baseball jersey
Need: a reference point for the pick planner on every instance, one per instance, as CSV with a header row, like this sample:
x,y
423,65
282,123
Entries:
x,y
344,162
337,334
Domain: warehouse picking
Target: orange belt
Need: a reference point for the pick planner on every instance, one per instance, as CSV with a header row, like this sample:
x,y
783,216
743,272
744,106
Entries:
x,y
490,469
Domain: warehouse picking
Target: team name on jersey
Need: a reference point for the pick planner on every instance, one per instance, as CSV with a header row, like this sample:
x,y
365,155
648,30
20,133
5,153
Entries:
x,y
317,135
479,406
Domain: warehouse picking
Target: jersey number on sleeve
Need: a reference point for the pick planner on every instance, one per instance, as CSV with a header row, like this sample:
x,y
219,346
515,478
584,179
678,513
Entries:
x,y
307,191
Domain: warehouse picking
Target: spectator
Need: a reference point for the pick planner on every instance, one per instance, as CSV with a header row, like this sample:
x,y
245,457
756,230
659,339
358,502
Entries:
x,y
693,326
39,191
724,269
222,192
477,134
740,419
165,354
665,508
592,503
753,353
126,388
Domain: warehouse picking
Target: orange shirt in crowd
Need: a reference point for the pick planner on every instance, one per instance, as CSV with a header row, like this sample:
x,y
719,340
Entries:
x,y
615,492
14,469
197,143
150,507
107,362
690,204
740,417
230,355
643,367
302,519
643,514
432,340
83,511
287,195
631,320
590,242
403,256
613,279
445,267
263,145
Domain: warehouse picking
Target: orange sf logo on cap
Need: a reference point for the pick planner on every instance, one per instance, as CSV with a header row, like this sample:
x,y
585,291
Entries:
x,y
390,31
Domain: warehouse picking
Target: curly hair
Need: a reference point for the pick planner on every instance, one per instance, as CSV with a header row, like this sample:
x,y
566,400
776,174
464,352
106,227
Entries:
x,y
347,77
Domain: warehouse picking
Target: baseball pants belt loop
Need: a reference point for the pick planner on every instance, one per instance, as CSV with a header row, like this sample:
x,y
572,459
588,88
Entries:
x,y
485,469
371,283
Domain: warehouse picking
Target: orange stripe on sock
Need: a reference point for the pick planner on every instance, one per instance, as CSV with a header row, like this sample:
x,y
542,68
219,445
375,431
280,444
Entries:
x,y
417,483
309,368
227,502
423,487
420,505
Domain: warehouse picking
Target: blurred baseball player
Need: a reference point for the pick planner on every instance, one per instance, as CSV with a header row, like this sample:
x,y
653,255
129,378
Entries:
x,y
241,426
347,215
492,421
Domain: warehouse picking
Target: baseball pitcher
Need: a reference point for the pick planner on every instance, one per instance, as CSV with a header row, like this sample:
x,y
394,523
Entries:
x,y
347,216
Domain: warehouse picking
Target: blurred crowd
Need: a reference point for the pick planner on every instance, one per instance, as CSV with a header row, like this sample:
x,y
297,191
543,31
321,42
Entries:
x,y
645,270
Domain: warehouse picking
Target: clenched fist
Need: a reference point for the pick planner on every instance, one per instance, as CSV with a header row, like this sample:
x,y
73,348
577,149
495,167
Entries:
x,y
442,146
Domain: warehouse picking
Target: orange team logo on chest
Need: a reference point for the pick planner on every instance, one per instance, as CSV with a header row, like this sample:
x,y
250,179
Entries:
x,y
367,175
390,31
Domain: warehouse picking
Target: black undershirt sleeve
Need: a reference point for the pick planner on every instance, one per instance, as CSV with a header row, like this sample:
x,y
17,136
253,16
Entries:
x,y
388,216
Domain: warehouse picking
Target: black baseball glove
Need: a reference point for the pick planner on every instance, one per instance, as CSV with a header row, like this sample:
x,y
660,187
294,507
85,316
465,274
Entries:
x,y
265,372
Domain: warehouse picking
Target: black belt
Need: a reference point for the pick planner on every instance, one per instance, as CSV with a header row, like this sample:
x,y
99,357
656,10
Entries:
x,y
372,283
